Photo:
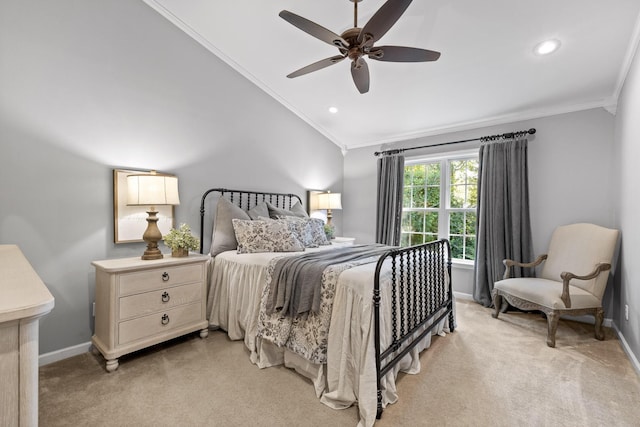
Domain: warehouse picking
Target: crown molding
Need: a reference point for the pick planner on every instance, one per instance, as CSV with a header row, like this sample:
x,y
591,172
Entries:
x,y
493,121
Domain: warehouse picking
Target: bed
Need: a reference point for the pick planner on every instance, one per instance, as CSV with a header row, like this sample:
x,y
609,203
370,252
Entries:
x,y
376,313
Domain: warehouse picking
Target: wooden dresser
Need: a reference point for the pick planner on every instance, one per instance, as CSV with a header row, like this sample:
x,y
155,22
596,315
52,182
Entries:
x,y
23,300
140,303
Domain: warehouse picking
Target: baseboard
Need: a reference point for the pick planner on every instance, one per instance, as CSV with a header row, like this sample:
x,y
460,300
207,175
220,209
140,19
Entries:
x,y
463,296
607,323
63,353
625,346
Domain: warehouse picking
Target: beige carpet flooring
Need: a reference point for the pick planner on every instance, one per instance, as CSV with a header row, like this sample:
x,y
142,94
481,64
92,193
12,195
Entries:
x,y
487,373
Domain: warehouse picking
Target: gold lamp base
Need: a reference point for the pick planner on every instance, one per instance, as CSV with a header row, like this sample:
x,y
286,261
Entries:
x,y
152,236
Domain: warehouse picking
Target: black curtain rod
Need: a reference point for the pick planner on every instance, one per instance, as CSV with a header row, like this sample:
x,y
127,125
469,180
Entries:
x,y
507,135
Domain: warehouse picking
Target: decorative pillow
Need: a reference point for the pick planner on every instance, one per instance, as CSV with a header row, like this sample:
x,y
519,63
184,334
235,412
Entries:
x,y
298,210
317,231
259,210
266,236
224,237
301,228
310,230
273,211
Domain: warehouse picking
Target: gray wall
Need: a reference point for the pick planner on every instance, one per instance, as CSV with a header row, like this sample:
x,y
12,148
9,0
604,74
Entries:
x,y
570,178
627,148
91,86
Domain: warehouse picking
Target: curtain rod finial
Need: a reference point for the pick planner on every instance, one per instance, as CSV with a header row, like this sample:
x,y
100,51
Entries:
x,y
531,131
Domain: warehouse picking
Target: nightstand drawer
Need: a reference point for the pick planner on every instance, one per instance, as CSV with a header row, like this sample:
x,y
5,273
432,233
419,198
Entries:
x,y
162,299
158,323
153,279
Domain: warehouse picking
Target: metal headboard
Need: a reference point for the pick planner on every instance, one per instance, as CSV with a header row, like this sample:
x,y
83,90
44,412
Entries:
x,y
247,200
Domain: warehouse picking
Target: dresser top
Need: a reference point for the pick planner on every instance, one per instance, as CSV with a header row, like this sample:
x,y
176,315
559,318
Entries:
x,y
22,292
135,263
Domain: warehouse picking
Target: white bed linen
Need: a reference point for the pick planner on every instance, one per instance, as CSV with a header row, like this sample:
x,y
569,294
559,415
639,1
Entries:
x,y
349,377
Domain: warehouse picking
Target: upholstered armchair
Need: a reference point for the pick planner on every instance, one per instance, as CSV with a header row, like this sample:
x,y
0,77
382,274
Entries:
x,y
573,278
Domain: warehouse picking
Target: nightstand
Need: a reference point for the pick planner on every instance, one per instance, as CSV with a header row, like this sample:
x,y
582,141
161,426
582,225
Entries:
x,y
343,241
140,303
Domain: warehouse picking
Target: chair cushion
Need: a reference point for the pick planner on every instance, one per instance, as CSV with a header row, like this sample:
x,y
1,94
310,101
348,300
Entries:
x,y
578,248
547,293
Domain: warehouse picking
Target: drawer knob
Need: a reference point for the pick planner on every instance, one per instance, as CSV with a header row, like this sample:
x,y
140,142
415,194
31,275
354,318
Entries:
x,y
165,277
165,319
165,296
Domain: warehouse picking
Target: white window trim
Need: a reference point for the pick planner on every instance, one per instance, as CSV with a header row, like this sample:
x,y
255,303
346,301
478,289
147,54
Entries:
x,y
443,158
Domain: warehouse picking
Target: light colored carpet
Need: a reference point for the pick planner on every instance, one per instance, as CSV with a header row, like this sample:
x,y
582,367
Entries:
x,y
487,373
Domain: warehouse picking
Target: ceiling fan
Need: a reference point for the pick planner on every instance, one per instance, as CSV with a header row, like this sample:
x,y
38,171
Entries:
x,y
357,42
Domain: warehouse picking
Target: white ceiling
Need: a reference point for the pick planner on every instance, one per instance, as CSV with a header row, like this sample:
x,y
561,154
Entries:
x,y
487,74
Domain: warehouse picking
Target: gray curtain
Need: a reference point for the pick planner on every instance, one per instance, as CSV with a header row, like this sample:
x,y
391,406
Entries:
x,y
389,208
503,223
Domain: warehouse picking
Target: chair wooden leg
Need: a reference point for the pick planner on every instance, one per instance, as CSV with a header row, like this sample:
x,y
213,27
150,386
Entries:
x,y
599,315
497,302
552,326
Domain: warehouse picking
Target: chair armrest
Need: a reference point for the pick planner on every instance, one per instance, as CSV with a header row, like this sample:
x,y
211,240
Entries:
x,y
567,276
508,263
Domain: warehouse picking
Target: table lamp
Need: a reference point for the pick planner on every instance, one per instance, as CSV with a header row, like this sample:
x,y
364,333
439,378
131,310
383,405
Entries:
x,y
152,189
329,201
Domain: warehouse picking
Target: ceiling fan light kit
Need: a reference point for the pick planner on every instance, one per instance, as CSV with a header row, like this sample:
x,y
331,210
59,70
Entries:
x,y
356,43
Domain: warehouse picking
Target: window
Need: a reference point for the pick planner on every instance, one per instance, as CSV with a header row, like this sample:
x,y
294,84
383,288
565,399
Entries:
x,y
440,200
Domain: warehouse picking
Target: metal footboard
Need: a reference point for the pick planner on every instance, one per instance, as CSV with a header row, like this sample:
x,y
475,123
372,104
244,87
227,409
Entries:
x,y
420,297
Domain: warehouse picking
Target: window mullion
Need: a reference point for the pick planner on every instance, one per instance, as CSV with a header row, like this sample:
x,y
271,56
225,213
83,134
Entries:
x,y
445,191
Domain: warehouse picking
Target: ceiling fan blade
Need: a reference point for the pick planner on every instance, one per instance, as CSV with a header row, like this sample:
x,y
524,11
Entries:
x,y
323,63
360,74
384,19
403,54
317,31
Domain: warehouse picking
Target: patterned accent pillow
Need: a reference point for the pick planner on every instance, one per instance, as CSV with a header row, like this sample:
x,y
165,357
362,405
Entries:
x,y
309,230
266,236
302,229
317,230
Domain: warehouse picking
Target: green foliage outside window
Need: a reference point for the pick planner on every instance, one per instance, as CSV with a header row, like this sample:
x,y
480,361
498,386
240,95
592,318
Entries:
x,y
464,183
422,205
462,232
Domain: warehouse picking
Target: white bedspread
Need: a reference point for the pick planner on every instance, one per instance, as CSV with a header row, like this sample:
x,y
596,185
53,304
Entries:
x,y
236,282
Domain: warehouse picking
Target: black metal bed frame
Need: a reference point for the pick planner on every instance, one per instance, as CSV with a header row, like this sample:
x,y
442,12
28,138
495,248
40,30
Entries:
x,y
421,296
246,200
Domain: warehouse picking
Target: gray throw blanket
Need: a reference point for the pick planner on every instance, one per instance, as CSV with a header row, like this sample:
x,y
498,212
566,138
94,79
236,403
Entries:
x,y
296,281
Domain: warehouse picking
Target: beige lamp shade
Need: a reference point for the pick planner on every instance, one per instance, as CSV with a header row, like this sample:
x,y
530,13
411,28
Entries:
x,y
152,189
329,201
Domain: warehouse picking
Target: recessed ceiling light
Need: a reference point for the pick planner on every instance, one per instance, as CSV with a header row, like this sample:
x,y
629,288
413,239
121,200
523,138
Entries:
x,y
333,110
547,47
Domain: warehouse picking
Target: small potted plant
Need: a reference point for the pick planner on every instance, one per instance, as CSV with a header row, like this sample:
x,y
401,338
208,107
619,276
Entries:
x,y
181,241
329,230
